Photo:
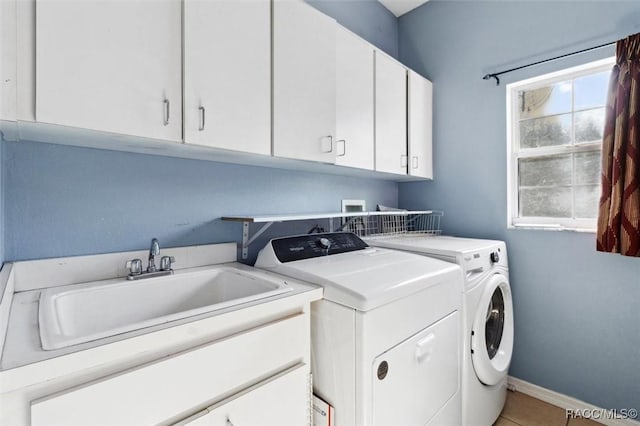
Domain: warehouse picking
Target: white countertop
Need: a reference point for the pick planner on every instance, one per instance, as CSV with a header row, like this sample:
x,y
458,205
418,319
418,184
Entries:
x,y
24,362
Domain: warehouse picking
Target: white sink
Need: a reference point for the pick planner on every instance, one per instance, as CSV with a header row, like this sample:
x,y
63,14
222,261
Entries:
x,y
71,315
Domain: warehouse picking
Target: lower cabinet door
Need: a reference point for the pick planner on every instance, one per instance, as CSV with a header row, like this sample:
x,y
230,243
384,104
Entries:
x,y
171,387
282,400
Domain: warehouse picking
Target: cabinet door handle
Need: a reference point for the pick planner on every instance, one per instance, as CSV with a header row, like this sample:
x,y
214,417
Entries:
x,y
202,112
403,160
414,162
330,144
344,147
167,107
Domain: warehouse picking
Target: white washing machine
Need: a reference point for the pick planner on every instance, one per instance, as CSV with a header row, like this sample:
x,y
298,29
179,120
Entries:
x,y
487,317
385,338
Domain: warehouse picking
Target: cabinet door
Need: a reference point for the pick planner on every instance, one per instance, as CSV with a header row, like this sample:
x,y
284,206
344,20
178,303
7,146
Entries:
x,y
354,101
110,65
391,115
227,54
8,60
304,82
281,401
420,119
152,393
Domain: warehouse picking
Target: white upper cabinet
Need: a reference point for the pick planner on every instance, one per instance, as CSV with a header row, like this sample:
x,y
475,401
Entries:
x,y
227,73
304,82
8,57
276,78
391,115
110,65
354,101
420,119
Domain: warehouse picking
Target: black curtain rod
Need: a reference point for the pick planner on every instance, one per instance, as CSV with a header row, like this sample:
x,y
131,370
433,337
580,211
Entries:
x,y
496,74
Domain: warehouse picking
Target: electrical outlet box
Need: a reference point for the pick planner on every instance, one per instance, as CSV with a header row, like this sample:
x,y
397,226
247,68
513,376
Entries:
x,y
352,206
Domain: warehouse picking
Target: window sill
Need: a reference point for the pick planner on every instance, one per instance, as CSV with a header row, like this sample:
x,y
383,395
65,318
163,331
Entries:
x,y
548,227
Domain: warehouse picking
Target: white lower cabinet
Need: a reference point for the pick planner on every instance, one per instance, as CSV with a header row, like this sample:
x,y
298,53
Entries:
x,y
266,366
279,401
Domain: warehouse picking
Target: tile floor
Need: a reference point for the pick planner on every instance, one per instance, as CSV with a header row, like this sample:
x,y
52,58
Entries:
x,y
523,410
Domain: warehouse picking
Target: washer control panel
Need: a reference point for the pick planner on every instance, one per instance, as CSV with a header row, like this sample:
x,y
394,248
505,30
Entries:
x,y
290,249
483,259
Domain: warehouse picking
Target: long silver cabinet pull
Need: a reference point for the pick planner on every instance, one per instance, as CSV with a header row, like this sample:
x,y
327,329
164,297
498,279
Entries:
x,y
167,108
414,162
403,160
344,147
330,144
202,112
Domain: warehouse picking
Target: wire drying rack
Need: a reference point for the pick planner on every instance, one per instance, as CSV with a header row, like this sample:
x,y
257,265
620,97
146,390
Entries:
x,y
376,224
388,223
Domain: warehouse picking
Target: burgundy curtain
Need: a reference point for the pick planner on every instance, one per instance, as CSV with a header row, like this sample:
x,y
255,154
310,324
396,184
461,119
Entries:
x,y
619,210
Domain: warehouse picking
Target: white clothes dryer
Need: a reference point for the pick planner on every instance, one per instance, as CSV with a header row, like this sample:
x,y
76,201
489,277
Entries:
x,y
487,317
384,340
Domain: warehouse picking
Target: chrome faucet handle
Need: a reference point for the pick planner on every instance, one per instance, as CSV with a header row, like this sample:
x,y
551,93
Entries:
x,y
134,266
166,262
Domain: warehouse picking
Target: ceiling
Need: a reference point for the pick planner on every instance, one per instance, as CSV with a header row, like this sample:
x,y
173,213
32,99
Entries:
x,y
400,7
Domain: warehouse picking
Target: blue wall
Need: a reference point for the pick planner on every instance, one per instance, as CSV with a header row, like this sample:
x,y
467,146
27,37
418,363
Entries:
x,y
64,200
577,312
367,18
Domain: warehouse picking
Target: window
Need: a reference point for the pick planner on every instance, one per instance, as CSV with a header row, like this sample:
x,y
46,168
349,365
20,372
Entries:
x,y
554,138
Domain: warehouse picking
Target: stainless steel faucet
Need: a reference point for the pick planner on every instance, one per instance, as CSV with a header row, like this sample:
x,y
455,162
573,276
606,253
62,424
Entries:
x,y
135,265
154,250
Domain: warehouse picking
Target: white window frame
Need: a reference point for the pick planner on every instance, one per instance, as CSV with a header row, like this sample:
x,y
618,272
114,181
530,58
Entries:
x,y
514,153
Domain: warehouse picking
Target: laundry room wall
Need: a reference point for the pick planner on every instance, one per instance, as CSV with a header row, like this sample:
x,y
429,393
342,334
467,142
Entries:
x,y
576,311
64,200
367,18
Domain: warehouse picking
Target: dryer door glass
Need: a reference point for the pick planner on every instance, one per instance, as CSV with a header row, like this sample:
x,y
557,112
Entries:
x,y
495,323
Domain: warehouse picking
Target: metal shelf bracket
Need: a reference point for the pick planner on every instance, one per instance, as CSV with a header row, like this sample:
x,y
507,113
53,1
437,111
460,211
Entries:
x,y
246,240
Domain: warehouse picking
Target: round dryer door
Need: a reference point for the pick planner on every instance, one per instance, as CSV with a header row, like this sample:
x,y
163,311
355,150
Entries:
x,y
492,332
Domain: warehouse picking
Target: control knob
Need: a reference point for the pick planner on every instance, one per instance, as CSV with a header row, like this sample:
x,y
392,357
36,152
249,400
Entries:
x,y
325,243
494,256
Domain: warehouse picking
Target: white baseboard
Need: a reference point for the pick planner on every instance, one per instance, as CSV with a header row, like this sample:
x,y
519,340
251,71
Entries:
x,y
563,401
